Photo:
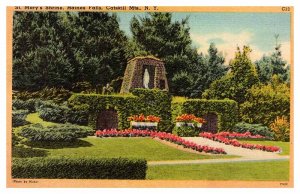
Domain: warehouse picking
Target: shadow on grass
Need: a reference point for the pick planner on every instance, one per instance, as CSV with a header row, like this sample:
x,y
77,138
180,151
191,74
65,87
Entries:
x,y
23,152
59,145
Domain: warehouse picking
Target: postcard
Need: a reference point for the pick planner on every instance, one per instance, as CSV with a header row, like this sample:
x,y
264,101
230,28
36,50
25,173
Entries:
x,y
150,96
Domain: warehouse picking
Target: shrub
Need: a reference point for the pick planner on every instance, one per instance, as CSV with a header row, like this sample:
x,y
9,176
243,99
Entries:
x,y
79,117
79,168
19,117
27,152
15,138
266,102
29,105
55,133
254,129
281,128
186,131
50,111
58,95
81,87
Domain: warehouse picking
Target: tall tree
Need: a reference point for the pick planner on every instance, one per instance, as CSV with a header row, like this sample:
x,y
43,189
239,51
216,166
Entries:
x,y
39,55
100,49
271,65
213,68
60,49
235,84
156,34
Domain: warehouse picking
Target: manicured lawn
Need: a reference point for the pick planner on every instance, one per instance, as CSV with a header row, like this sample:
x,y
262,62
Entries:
x,y
285,146
35,118
267,171
147,148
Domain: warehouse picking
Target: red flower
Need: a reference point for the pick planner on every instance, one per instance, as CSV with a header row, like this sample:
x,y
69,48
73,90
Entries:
x,y
143,118
161,135
223,137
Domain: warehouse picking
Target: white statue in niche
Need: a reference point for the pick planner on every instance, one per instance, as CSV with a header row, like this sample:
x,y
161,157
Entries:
x,y
146,78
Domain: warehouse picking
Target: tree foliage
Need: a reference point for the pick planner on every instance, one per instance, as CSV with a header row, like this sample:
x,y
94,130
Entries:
x,y
271,65
39,54
235,84
211,68
59,49
265,102
156,34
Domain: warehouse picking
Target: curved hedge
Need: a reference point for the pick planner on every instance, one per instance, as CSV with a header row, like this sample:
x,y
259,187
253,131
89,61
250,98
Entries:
x,y
50,111
55,133
79,168
149,102
29,104
19,118
227,110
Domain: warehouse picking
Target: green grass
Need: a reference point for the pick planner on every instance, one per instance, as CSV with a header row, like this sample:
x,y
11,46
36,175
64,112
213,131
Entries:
x,y
147,148
259,171
35,118
285,146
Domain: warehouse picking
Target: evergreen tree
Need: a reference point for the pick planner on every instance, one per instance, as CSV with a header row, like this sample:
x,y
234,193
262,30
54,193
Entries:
x,y
182,83
157,35
39,54
271,65
100,47
60,49
235,84
212,68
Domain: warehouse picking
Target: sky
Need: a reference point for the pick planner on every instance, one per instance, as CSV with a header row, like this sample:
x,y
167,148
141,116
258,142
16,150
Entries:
x,y
229,30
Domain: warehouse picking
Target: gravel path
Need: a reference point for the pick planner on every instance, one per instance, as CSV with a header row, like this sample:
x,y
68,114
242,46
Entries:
x,y
246,155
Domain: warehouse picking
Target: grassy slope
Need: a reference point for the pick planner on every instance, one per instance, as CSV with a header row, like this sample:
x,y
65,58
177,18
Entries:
x,y
285,146
147,148
275,170
34,118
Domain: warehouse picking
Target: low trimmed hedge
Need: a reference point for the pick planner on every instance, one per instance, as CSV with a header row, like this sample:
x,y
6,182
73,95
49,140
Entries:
x,y
254,129
27,152
55,133
50,111
29,105
80,168
19,118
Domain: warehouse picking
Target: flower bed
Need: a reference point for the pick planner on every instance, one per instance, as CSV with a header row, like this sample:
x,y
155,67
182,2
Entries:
x,y
226,137
189,120
188,125
246,135
144,122
160,135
